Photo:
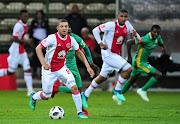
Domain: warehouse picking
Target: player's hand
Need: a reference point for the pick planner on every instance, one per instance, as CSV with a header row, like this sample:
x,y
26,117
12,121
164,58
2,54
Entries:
x,y
94,67
103,46
163,50
91,72
129,60
134,33
46,66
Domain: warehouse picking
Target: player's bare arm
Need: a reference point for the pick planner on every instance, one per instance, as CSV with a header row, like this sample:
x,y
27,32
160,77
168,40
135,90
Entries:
x,y
103,46
41,57
162,47
28,41
81,56
129,45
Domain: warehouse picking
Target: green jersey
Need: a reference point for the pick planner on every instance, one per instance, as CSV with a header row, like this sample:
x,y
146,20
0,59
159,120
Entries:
x,y
70,58
146,46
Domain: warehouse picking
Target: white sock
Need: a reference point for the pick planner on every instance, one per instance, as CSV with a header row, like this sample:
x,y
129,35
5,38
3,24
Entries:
x,y
92,86
78,101
120,83
38,95
3,72
28,80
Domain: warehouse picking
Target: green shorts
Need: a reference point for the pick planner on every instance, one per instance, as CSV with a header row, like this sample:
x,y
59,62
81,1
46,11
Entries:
x,y
76,74
142,69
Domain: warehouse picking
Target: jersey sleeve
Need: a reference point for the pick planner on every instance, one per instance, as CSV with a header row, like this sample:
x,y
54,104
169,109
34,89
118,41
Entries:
x,y
79,40
160,41
130,29
106,26
141,41
74,44
17,30
47,42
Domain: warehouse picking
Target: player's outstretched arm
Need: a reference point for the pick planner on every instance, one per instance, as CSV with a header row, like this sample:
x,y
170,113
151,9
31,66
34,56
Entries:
x,y
41,57
129,45
84,60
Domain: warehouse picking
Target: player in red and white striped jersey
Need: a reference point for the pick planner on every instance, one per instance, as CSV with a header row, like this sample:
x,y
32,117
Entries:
x,y
17,53
111,43
54,68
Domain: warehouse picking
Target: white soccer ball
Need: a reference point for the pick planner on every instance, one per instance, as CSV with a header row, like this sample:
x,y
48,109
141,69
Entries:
x,y
56,112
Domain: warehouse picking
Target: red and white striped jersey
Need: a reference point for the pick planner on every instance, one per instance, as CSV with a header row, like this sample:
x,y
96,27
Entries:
x,y
19,30
56,50
114,34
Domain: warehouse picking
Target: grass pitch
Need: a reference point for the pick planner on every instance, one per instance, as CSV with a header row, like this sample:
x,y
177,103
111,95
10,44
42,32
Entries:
x,y
163,108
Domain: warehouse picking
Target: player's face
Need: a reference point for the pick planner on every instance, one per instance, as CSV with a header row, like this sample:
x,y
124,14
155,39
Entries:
x,y
24,17
155,33
122,17
63,28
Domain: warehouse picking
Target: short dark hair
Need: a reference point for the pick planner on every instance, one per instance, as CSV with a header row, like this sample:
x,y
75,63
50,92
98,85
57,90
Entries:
x,y
155,27
23,11
123,10
62,20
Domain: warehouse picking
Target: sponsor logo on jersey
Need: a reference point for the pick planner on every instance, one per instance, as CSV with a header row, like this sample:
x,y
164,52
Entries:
x,y
61,54
44,41
68,45
103,25
120,40
149,66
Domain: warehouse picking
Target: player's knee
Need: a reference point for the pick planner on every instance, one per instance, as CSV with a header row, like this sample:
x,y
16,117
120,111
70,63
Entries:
x,y
74,89
158,75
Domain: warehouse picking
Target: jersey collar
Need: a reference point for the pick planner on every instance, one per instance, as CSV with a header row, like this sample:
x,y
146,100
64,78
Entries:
x,y
61,37
22,23
150,35
119,25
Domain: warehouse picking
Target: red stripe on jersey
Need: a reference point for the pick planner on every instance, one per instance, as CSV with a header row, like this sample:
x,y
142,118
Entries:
x,y
42,45
78,49
99,28
118,39
60,53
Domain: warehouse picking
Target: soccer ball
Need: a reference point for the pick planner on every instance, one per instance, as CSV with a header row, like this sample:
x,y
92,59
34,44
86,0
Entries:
x,y
56,112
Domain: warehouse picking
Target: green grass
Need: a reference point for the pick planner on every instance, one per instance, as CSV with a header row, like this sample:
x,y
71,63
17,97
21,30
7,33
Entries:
x,y
163,108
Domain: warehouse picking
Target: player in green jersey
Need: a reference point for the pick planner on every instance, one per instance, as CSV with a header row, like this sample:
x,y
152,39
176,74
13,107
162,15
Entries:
x,y
140,65
71,64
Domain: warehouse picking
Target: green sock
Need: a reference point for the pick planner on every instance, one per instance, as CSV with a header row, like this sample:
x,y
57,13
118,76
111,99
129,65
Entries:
x,y
64,89
125,87
149,84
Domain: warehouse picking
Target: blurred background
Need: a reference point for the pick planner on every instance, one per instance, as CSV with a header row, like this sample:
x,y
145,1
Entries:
x,y
142,15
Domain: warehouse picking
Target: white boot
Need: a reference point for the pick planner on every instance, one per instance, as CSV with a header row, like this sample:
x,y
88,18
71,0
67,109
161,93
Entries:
x,y
119,102
143,94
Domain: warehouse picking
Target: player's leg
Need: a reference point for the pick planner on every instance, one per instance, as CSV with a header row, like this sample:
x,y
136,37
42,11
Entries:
x,y
119,63
67,77
156,75
48,79
12,66
105,71
27,72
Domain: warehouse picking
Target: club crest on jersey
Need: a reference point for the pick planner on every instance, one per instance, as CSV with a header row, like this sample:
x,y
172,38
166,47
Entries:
x,y
125,30
68,45
61,54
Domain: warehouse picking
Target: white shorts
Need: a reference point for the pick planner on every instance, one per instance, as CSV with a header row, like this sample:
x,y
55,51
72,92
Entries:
x,y
113,62
15,59
64,75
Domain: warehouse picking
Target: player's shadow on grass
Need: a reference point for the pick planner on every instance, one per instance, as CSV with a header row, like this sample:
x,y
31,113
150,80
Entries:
x,y
128,116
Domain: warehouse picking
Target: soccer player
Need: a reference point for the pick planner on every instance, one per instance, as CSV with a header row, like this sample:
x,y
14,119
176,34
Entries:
x,y
113,39
17,53
139,63
53,67
72,66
